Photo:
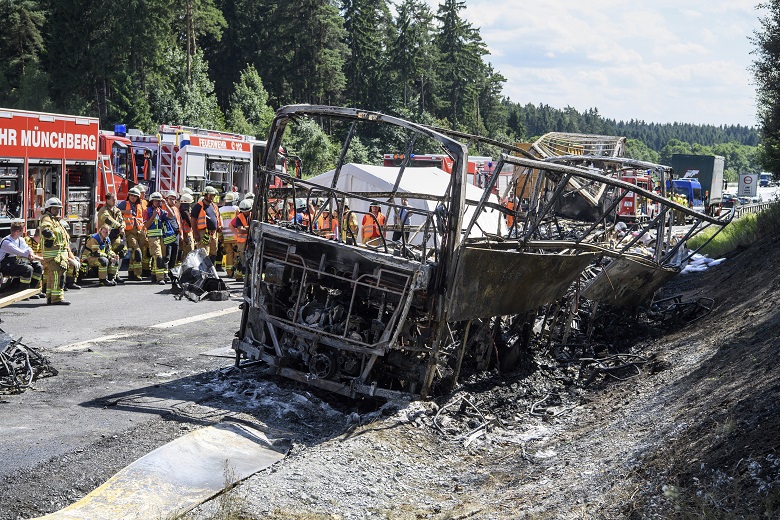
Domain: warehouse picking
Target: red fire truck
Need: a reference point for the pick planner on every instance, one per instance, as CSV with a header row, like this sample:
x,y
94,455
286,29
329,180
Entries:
x,y
479,168
182,156
53,155
633,207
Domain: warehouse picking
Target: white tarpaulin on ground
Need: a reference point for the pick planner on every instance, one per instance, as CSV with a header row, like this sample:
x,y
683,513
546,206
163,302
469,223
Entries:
x,y
428,181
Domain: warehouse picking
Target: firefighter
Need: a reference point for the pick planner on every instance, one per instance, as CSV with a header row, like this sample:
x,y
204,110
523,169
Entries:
x,y
349,226
98,253
147,263
110,215
227,213
240,228
156,222
18,259
372,227
172,234
34,243
72,272
56,252
510,204
205,219
134,232
186,225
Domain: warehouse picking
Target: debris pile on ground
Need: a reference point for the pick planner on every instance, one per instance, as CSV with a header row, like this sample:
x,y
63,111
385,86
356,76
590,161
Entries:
x,y
198,279
20,365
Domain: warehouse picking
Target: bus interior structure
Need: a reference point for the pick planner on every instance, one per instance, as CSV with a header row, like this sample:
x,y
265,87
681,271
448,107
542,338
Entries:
x,y
409,317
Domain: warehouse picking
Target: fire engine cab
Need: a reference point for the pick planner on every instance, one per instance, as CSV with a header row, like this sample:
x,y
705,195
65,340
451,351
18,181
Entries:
x,y
183,156
52,155
634,207
479,168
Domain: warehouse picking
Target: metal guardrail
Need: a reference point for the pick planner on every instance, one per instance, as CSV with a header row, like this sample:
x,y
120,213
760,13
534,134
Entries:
x,y
752,208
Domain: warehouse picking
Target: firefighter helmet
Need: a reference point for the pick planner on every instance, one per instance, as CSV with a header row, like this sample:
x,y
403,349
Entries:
x,y
187,191
245,205
229,197
249,195
171,193
134,191
186,198
210,190
53,202
141,188
156,196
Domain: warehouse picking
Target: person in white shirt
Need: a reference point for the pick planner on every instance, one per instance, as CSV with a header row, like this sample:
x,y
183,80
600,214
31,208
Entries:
x,y
18,260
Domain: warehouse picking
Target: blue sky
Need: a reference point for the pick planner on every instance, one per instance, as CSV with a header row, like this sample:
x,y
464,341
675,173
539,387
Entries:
x,y
659,61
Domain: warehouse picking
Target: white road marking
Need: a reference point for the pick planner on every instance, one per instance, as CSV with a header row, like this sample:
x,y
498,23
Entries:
x,y
83,344
192,319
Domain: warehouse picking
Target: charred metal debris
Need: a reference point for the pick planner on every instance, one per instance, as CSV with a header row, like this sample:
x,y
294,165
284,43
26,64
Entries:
x,y
469,282
20,365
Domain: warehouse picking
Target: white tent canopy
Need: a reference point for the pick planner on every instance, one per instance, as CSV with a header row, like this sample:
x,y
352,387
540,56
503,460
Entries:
x,y
428,181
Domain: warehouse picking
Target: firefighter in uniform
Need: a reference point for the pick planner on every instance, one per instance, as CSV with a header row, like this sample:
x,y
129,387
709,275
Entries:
x,y
56,252
227,213
148,261
373,227
134,232
172,233
34,243
205,219
240,228
98,253
110,215
186,225
156,222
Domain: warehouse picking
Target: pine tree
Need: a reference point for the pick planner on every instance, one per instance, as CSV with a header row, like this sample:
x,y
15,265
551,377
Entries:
x,y
460,49
21,45
412,55
367,25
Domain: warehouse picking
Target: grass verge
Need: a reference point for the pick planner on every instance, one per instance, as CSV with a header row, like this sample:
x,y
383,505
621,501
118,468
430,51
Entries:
x,y
739,233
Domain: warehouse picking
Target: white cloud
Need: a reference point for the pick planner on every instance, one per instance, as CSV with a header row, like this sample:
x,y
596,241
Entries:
x,y
654,60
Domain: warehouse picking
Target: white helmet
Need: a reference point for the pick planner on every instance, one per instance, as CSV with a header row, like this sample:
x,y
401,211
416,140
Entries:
x,y
171,193
156,196
53,202
186,198
249,196
187,191
229,197
210,190
245,205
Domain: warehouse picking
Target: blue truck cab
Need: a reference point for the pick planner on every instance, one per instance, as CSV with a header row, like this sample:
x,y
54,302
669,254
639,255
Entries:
x,y
690,189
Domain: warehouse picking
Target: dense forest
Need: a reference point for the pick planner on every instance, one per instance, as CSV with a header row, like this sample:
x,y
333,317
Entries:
x,y
227,64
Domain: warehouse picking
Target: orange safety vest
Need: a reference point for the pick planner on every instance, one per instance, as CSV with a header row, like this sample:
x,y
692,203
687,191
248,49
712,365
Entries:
x,y
201,223
240,236
370,229
510,219
133,216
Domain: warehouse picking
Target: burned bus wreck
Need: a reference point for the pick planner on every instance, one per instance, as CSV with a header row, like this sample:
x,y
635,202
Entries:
x,y
464,284
382,317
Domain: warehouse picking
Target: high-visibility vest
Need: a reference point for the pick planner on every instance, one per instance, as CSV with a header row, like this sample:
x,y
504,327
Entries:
x,y
61,239
201,223
370,228
185,223
157,227
241,219
510,218
132,214
226,215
